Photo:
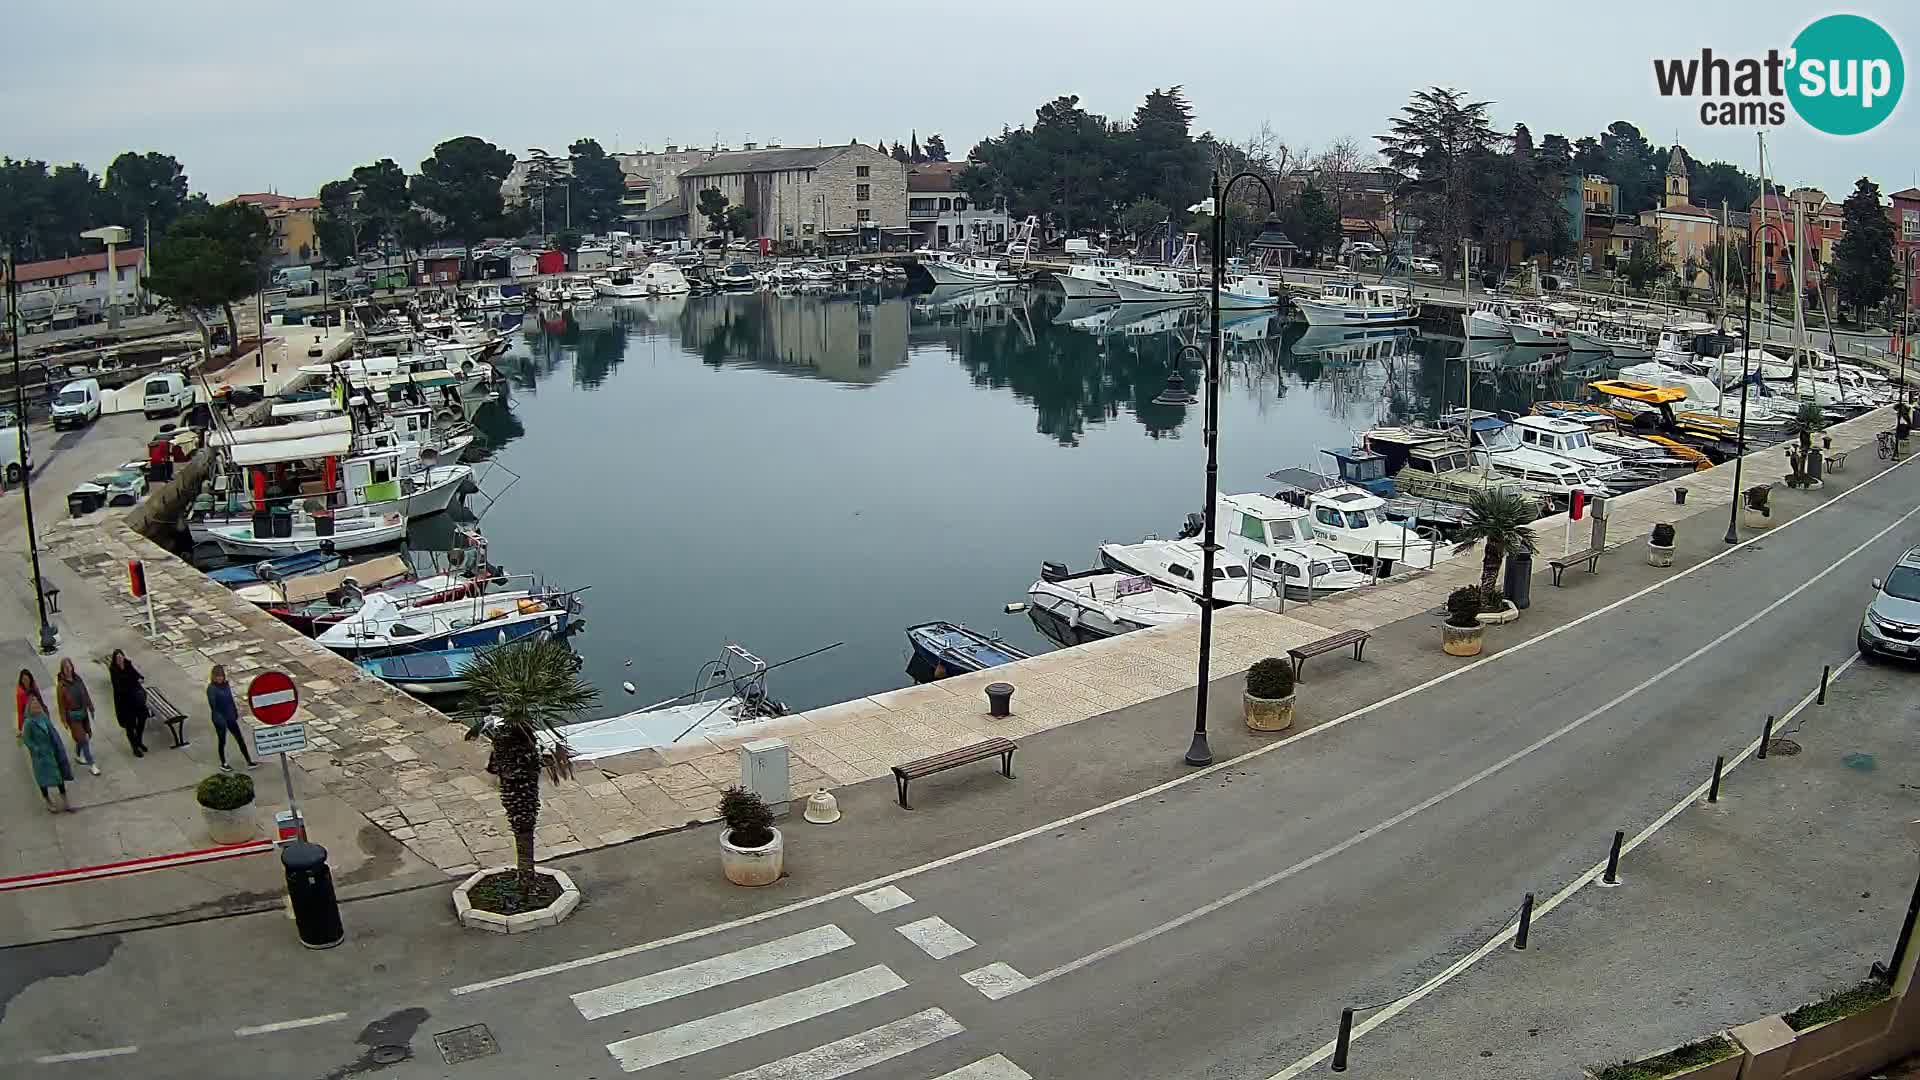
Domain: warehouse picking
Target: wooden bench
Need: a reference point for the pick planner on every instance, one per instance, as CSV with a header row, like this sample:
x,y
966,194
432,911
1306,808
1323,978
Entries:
x,y
158,707
1355,638
953,759
1590,556
1837,461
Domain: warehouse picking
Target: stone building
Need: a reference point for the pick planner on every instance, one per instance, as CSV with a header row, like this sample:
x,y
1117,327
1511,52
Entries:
x,y
838,197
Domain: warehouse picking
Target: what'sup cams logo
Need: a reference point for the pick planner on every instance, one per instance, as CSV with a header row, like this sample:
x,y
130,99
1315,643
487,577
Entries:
x,y
1843,76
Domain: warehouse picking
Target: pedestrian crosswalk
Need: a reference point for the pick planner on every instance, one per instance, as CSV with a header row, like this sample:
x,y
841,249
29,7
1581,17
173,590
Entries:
x,y
809,953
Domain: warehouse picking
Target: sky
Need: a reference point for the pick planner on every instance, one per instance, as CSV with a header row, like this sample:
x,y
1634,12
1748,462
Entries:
x,y
253,97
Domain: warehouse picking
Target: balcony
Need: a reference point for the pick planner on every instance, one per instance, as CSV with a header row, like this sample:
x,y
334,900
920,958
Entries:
x,y
923,215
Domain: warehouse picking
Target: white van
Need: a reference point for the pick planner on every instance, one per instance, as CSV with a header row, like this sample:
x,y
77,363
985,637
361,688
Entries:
x,y
12,466
1083,248
165,394
77,404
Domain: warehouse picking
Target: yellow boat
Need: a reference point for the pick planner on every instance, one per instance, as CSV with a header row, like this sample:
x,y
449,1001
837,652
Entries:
x,y
1619,420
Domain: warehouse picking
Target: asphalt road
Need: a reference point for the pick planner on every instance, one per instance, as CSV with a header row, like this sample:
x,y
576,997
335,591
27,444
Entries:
x,y
1212,928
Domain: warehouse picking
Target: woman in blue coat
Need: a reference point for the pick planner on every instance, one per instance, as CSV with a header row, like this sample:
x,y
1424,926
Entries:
x,y
46,752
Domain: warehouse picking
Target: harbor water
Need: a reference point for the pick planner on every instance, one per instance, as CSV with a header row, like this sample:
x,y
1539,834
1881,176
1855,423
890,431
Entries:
x,y
790,471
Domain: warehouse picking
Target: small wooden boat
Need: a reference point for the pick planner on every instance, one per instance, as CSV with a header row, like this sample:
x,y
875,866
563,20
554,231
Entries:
x,y
307,562
424,673
941,649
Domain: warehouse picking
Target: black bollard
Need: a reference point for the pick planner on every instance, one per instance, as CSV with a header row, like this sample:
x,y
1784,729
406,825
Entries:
x,y
1526,922
1826,672
999,699
1612,876
1713,790
316,912
1766,736
1679,496
1341,1042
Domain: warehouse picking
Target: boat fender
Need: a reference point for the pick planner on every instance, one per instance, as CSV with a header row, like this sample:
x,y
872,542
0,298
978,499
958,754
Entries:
x,y
627,686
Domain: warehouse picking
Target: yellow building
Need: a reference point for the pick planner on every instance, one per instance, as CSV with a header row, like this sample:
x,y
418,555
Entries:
x,y
291,239
1685,231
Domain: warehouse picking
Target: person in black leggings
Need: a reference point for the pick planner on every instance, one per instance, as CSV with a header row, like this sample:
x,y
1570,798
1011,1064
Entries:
x,y
226,716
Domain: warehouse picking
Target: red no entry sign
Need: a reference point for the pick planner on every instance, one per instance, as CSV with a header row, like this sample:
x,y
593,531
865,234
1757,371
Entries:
x,y
272,697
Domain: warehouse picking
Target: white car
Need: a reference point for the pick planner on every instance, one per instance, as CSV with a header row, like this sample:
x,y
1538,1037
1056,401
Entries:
x,y
1424,266
1362,247
77,404
12,464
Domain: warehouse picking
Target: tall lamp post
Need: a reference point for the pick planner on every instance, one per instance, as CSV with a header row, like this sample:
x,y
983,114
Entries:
x,y
1746,354
48,640
1199,753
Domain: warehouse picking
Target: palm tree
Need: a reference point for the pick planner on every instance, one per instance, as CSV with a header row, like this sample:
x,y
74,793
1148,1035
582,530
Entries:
x,y
1807,420
523,690
1499,516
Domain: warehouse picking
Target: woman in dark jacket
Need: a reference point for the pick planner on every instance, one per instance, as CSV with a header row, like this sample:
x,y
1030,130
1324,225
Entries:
x,y
226,716
129,700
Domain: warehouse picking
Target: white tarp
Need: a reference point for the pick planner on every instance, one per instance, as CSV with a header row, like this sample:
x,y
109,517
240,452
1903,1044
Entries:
x,y
312,407
306,429
316,446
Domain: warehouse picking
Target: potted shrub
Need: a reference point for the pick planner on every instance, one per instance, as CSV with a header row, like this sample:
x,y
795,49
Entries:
x,y
752,852
226,802
1461,633
1755,511
1269,697
1660,545
1498,518
1495,608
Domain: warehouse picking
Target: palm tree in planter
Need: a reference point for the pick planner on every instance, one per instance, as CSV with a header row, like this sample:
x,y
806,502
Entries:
x,y
1807,421
523,690
1499,518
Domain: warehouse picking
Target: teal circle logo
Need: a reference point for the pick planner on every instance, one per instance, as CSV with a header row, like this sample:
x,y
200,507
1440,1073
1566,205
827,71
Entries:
x,y
1846,76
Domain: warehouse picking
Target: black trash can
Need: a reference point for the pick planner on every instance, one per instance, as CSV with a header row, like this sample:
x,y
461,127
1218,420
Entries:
x,y
999,699
316,913
1679,496
323,523
263,525
282,522
1518,583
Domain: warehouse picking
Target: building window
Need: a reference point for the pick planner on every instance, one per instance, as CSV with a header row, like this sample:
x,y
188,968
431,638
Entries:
x,y
863,170
93,277
862,192
863,215
960,205
946,204
1910,224
806,228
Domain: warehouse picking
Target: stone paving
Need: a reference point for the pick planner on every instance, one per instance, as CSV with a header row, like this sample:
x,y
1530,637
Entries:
x,y
407,768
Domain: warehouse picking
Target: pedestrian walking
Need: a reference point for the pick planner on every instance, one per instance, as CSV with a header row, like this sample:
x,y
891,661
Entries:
x,y
129,701
46,754
76,711
226,716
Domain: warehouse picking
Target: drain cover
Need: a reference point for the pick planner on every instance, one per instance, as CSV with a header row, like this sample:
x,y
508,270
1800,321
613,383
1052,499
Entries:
x,y
465,1044
389,1055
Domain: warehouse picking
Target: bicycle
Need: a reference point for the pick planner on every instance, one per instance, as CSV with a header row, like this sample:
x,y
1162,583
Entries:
x,y
1886,444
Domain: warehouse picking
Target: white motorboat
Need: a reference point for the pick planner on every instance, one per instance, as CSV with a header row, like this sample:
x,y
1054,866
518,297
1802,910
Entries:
x,y
1536,471
347,530
491,296
1278,544
1353,521
1249,292
1160,286
1702,396
953,268
577,288
1565,438
1350,303
550,291
1075,608
664,279
1091,279
622,284
408,622
1487,320
1535,326
736,275
1675,347
1176,565
732,701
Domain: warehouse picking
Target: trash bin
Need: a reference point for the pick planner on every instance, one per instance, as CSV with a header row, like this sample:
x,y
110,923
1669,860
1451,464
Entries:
x,y
1000,699
323,523
1679,495
316,913
1518,583
282,522
262,525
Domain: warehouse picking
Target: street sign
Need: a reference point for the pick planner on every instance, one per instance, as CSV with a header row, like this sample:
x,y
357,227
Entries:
x,y
272,697
286,738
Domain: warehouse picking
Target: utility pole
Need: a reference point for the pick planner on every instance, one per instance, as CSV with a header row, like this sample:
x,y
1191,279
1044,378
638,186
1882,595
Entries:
x,y
48,640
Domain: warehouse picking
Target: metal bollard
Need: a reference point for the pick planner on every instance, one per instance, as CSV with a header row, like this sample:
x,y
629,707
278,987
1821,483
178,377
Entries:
x,y
1526,922
1612,876
999,700
1766,736
1826,672
1713,790
1343,1040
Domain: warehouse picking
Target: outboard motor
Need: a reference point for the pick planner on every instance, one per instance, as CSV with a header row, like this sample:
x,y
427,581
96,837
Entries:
x,y
1196,524
1053,571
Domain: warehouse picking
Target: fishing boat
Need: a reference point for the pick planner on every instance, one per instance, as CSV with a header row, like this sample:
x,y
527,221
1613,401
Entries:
x,y
1486,320
1073,608
1176,565
327,596
275,534
1091,279
306,562
1274,538
941,649
399,624
1160,286
954,268
1352,521
1535,327
665,279
1248,292
729,698
1350,303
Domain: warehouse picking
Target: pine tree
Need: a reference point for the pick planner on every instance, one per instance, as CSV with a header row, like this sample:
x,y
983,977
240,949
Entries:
x,y
913,148
1863,260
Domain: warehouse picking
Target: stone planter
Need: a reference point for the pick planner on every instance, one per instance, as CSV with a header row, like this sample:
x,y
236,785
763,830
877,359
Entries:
x,y
753,866
235,826
1727,1068
1505,615
1658,555
1823,1041
1755,519
1268,714
1461,640
475,919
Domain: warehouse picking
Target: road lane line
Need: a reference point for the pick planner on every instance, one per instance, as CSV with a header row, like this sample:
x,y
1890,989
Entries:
x,y
86,1055
288,1025
1183,779
713,971
936,937
758,1018
1428,803
996,1067
844,1057
1592,874
883,899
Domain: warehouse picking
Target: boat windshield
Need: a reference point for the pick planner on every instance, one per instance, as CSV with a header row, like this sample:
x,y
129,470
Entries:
x,y
1577,440
1286,530
1220,572
1359,519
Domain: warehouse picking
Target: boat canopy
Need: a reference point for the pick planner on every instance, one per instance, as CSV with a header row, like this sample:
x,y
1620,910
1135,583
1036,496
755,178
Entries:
x,y
310,587
306,429
314,407
1646,393
316,446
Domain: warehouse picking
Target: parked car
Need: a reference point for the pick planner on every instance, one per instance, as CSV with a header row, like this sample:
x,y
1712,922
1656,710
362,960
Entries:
x,y
77,404
1891,624
13,465
1423,265
166,393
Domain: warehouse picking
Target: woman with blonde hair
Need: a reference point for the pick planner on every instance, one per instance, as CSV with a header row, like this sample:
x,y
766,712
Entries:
x,y
226,716
76,711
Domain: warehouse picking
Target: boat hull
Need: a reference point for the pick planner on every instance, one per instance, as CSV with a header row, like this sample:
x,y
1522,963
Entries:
x,y
620,292
948,274
1321,313
240,541
1085,288
1480,325
1537,337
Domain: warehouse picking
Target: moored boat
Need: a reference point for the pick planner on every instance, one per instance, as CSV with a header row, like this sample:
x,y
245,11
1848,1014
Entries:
x,y
941,649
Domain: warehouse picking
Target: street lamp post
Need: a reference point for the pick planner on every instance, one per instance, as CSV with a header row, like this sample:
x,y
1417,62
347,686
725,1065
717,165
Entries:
x,y
1199,753
1746,354
48,640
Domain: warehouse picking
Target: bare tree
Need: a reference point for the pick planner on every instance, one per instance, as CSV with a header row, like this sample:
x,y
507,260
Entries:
x,y
1342,171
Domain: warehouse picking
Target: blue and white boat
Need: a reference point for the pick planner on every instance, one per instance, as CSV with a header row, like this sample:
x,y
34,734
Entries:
x,y
941,649
442,671
384,625
307,562
1350,303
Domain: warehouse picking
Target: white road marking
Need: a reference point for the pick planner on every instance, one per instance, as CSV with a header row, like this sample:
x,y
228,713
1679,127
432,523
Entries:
x,y
1591,876
713,971
758,1018
884,899
1433,800
843,1057
86,1055
1185,778
289,1025
996,1067
936,937
996,981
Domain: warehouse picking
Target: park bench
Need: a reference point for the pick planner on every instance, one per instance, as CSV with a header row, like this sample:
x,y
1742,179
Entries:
x,y
158,707
1355,638
953,759
1836,461
49,590
1590,556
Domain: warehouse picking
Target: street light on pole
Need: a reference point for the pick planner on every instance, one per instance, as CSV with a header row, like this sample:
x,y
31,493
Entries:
x,y
1199,753
1746,355
48,639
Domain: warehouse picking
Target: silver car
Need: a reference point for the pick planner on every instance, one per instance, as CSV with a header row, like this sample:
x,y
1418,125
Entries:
x,y
1891,625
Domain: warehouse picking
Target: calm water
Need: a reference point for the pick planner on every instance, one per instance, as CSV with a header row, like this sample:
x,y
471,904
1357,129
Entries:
x,y
791,471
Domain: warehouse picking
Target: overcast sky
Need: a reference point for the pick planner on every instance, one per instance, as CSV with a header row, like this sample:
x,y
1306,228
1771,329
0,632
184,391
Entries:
x,y
254,97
